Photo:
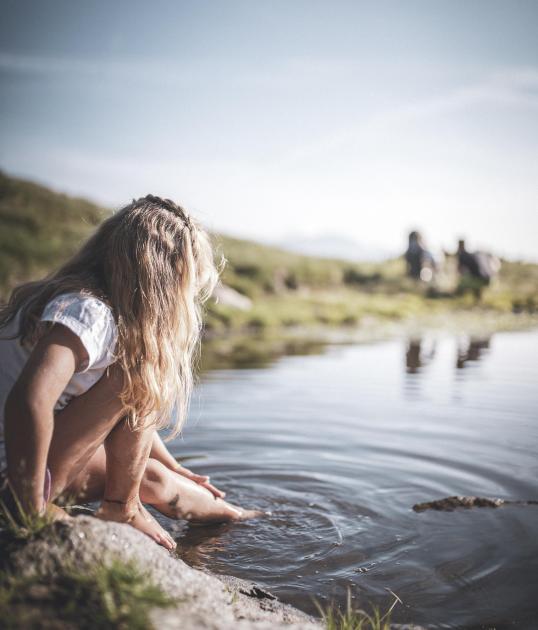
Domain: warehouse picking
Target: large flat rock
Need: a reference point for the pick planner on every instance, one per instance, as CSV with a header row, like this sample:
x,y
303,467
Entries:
x,y
205,600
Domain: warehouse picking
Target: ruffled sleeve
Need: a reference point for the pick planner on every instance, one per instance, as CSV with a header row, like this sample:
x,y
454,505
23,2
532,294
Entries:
x,y
92,322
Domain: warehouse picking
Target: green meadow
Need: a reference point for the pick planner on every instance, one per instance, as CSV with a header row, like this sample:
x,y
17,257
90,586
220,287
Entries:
x,y
40,228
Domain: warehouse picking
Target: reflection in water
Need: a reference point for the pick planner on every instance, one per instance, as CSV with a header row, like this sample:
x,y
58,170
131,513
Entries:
x,y
254,351
340,460
198,543
415,357
419,354
472,350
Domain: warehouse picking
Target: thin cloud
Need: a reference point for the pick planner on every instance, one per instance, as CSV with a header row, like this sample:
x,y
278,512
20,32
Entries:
x,y
112,69
514,88
284,75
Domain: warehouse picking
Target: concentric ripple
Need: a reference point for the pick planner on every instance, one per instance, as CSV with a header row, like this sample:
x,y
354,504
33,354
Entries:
x,y
341,445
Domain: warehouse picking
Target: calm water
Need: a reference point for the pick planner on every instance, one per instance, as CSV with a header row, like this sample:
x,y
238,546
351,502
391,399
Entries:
x,y
339,447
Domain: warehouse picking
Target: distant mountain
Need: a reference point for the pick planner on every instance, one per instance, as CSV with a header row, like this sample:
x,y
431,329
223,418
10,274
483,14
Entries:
x,y
334,246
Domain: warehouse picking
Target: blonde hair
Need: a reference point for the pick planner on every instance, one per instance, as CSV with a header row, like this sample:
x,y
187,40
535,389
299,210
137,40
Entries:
x,y
153,265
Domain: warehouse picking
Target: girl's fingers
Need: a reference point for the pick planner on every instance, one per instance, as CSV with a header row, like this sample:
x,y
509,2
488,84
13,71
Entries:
x,y
214,491
192,476
203,480
199,478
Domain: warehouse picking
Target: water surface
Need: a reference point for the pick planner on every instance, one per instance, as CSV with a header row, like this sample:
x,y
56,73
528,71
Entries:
x,y
340,445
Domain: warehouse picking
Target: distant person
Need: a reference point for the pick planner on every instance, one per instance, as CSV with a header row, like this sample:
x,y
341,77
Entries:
x,y
420,261
95,358
476,269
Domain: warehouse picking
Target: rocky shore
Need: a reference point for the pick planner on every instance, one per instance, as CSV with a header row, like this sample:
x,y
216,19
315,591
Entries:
x,y
195,599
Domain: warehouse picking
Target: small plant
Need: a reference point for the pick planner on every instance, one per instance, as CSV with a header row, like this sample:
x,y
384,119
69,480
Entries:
x,y
356,619
20,524
117,595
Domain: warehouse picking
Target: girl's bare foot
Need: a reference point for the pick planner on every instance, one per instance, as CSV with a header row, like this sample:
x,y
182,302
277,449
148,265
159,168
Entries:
x,y
154,523
201,513
230,514
245,515
136,515
179,497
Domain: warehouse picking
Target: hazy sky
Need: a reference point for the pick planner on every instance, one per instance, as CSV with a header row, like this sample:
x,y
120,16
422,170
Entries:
x,y
270,118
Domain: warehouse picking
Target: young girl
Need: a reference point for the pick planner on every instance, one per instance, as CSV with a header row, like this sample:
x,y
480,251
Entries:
x,y
96,358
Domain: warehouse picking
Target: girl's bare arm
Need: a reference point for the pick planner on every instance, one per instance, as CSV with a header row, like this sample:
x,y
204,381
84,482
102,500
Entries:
x,y
29,411
163,455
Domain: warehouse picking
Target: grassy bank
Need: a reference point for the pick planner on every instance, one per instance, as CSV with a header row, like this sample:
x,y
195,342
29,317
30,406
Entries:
x,y
40,228
287,290
117,595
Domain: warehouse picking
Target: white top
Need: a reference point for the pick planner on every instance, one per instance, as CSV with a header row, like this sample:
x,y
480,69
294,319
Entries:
x,y
93,323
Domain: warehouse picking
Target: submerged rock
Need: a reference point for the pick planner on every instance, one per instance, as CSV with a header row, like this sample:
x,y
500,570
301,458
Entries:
x,y
451,503
203,600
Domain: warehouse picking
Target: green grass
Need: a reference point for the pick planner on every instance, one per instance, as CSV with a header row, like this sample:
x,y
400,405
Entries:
x,y
356,619
40,228
118,595
17,525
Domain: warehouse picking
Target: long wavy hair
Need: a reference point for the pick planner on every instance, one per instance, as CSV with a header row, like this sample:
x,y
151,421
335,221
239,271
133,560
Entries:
x,y
154,266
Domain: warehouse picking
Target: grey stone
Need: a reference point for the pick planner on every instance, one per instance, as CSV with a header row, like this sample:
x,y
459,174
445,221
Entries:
x,y
205,600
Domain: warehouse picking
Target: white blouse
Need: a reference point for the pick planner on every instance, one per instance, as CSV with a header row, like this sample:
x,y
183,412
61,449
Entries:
x,y
86,316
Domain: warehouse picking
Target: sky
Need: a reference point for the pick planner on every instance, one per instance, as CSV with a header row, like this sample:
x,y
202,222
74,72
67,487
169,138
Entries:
x,y
285,119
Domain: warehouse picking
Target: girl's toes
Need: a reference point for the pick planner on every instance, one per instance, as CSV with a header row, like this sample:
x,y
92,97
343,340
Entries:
x,y
247,514
170,544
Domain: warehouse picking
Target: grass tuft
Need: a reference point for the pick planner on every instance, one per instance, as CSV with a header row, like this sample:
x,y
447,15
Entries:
x,y
117,595
20,525
356,619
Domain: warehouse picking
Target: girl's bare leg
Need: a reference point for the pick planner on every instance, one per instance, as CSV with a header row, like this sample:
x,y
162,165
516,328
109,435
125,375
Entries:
x,y
173,495
127,453
80,429
176,496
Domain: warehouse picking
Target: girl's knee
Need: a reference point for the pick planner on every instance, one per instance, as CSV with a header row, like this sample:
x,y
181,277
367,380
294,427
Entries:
x,y
155,472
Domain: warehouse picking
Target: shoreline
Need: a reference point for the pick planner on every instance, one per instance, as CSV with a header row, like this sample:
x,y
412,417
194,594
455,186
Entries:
x,y
254,347
86,573
62,554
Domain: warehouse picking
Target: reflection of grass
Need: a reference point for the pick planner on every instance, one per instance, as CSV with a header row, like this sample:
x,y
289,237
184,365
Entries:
x,y
116,595
254,350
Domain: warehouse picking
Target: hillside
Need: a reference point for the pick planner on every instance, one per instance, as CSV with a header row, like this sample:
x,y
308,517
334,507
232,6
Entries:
x,y
40,228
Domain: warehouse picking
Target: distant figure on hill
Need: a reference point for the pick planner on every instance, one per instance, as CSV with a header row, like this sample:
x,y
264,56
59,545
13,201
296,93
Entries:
x,y
476,269
420,262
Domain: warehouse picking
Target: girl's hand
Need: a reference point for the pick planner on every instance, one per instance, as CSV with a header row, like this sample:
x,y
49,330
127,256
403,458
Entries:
x,y
202,480
162,454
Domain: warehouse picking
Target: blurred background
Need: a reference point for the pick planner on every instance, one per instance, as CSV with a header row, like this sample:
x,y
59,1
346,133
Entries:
x,y
370,172
328,129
